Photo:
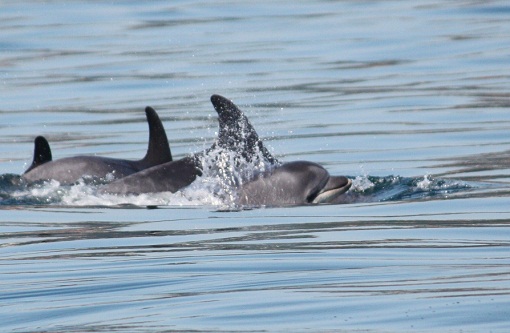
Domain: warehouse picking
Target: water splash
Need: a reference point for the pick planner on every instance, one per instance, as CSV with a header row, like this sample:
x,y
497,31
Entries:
x,y
223,173
396,188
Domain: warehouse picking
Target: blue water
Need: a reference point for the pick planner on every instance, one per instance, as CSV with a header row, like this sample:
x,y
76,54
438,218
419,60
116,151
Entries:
x,y
409,99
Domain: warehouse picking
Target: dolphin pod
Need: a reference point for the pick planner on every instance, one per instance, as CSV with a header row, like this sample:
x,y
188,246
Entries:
x,y
279,184
269,182
69,170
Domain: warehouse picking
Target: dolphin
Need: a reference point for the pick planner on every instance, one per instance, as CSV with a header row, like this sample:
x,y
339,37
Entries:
x,y
280,184
69,170
236,135
42,153
290,184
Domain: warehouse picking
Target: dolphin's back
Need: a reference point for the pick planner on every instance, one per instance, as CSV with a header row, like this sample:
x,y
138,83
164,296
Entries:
x,y
69,170
42,153
158,151
167,177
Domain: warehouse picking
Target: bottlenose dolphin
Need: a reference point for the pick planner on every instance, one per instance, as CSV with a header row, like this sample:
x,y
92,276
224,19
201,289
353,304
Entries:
x,y
42,153
278,184
292,183
236,135
69,170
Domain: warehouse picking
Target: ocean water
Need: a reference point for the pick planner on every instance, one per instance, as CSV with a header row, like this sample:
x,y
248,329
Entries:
x,y
411,100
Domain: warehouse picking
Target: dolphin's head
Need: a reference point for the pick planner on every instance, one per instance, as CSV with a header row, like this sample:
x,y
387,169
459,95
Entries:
x,y
315,182
293,183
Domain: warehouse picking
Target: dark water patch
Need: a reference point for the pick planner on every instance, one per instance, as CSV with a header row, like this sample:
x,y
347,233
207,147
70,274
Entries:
x,y
487,167
491,9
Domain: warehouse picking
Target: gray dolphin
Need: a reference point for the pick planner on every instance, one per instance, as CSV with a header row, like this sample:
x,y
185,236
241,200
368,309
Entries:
x,y
69,170
236,134
294,183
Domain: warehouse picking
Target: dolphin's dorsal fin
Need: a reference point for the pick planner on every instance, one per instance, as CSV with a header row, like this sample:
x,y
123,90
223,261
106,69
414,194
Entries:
x,y
158,151
236,133
42,153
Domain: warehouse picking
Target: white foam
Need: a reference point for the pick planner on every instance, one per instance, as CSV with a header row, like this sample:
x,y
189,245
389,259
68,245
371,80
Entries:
x,y
46,192
424,184
361,184
223,172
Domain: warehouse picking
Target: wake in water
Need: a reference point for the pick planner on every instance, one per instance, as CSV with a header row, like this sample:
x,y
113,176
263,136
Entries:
x,y
222,173
236,172
218,190
13,192
396,188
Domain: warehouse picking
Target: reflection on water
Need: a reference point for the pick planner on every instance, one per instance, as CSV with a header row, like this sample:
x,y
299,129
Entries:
x,y
409,99
482,167
349,267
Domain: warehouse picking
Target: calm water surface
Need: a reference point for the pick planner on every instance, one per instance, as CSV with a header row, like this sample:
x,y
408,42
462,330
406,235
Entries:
x,y
409,99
